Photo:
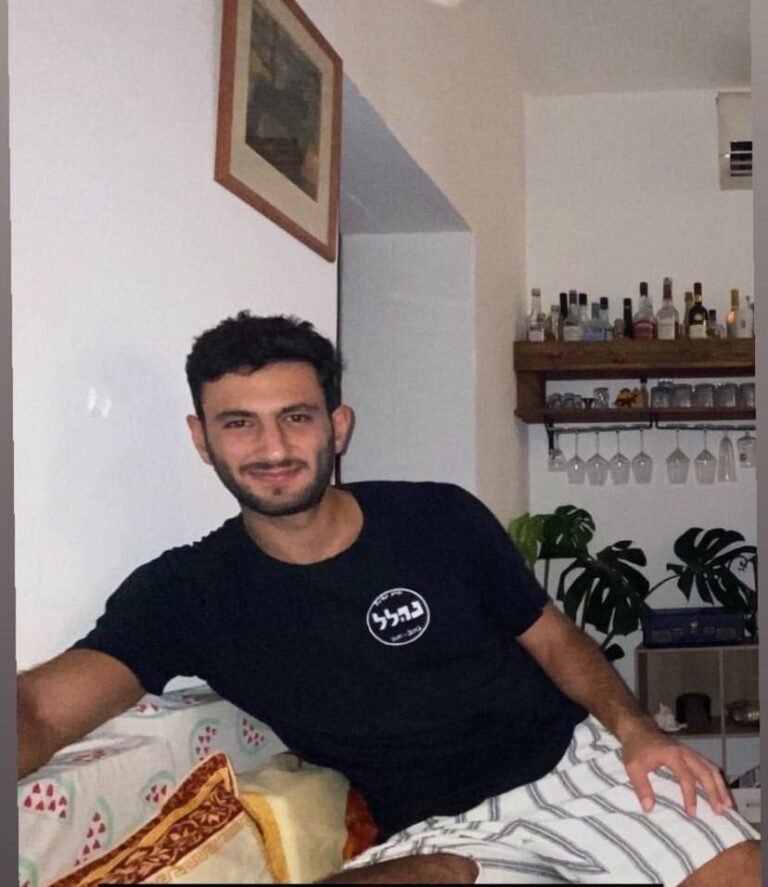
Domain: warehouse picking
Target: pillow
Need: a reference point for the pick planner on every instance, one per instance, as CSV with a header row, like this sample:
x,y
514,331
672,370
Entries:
x,y
310,820
201,834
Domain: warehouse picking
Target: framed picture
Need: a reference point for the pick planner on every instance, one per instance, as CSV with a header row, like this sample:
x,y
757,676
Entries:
x,y
279,122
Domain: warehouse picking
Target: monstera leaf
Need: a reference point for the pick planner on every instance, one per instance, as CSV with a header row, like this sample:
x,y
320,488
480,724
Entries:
x,y
711,561
525,532
606,592
566,533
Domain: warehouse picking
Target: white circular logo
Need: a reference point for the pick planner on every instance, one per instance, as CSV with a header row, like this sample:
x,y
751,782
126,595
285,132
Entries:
x,y
398,616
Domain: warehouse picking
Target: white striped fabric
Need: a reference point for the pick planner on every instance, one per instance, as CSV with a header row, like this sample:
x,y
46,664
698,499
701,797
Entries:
x,y
580,824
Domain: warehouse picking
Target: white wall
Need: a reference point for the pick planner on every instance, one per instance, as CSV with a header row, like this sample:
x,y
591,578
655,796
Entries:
x,y
406,337
623,188
445,82
124,249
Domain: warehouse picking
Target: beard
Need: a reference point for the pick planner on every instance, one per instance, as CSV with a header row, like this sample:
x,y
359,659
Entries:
x,y
303,500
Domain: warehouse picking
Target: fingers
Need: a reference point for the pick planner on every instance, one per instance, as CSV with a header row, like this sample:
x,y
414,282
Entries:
x,y
642,786
688,787
712,782
690,770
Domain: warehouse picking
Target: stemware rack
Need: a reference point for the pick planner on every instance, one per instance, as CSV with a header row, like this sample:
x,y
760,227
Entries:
x,y
553,429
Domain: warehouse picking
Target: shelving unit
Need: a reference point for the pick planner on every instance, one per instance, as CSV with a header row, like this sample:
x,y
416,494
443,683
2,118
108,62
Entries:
x,y
725,673
536,363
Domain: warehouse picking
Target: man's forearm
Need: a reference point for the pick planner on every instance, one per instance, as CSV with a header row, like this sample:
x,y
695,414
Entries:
x,y
579,668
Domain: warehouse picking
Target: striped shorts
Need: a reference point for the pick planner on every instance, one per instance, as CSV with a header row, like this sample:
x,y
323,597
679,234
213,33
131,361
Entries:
x,y
580,824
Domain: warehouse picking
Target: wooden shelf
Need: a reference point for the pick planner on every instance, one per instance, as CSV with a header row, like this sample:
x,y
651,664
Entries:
x,y
536,363
724,672
630,415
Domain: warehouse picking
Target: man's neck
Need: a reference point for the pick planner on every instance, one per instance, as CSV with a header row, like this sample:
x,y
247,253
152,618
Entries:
x,y
314,535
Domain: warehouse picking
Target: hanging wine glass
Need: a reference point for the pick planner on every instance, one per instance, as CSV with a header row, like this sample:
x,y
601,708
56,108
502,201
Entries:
x,y
556,460
726,461
677,463
618,465
597,466
642,464
746,446
576,466
705,465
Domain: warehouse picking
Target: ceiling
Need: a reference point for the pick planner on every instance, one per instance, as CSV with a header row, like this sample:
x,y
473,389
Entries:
x,y
580,46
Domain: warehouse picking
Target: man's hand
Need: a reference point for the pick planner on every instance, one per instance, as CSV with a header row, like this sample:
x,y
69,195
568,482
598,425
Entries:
x,y
648,749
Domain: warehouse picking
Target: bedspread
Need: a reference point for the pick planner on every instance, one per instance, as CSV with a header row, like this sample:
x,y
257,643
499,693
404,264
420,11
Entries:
x,y
93,792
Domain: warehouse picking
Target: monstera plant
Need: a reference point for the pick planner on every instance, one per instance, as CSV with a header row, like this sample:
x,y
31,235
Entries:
x,y
604,590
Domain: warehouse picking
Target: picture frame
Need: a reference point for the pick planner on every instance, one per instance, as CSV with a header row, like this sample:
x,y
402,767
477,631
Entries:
x,y
278,135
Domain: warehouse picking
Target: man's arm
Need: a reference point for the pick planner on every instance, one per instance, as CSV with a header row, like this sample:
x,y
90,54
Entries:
x,y
63,699
577,665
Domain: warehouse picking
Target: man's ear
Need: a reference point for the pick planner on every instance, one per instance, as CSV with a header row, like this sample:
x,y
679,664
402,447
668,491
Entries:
x,y
197,430
343,420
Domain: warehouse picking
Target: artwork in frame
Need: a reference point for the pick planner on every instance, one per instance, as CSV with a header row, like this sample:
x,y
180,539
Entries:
x,y
278,140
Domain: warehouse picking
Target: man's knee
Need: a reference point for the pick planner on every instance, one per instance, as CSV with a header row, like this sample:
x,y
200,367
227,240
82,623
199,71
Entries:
x,y
740,864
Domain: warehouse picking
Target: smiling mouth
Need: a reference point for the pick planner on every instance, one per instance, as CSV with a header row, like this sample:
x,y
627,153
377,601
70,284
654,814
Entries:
x,y
273,475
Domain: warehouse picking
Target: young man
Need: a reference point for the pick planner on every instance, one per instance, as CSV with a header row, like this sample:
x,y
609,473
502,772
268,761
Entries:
x,y
391,631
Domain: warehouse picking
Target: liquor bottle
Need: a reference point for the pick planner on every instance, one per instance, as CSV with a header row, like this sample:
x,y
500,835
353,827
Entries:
x,y
644,323
592,330
731,318
605,319
667,318
572,325
745,322
583,308
629,332
536,319
715,330
686,311
552,327
563,314
697,316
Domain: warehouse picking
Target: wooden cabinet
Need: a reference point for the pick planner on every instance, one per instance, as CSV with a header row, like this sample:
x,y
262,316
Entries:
x,y
538,362
726,674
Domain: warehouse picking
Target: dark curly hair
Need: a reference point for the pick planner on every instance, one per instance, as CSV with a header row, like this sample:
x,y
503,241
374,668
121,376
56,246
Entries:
x,y
248,341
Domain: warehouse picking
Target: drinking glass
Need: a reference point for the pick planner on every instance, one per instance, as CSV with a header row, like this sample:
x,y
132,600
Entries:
x,y
576,467
602,398
705,465
726,462
556,460
619,466
746,447
642,465
597,466
677,464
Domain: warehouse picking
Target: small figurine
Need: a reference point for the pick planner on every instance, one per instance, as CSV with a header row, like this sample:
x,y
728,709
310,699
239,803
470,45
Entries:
x,y
666,721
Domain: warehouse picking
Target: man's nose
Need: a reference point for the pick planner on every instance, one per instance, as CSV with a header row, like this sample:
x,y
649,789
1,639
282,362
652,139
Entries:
x,y
273,443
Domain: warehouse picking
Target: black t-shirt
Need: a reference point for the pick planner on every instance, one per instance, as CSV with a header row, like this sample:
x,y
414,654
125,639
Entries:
x,y
394,662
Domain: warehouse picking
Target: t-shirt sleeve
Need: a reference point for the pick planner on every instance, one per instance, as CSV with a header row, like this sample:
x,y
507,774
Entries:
x,y
148,625
511,591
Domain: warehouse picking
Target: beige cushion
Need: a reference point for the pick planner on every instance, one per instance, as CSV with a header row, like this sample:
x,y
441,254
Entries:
x,y
301,812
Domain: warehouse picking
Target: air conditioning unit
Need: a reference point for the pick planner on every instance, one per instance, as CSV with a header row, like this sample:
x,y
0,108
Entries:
x,y
734,129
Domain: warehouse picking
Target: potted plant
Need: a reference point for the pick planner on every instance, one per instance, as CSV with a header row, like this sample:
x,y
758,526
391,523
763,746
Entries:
x,y
604,590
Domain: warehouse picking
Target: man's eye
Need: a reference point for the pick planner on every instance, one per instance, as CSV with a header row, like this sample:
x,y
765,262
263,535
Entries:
x,y
236,423
298,418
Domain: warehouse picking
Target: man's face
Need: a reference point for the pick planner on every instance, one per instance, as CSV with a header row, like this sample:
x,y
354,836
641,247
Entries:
x,y
269,437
